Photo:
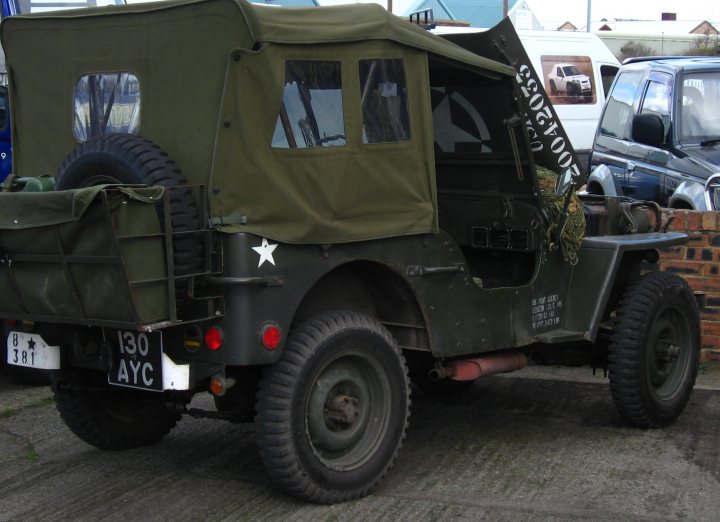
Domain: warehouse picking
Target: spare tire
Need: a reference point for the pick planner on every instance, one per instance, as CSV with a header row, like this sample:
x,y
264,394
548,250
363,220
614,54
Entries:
x,y
132,160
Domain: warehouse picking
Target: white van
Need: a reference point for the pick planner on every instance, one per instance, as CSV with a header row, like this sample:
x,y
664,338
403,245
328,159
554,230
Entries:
x,y
567,61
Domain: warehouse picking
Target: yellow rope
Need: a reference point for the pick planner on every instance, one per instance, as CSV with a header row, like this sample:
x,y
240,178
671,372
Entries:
x,y
574,229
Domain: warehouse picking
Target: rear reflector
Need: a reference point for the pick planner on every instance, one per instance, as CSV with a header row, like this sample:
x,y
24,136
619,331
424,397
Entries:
x,y
270,336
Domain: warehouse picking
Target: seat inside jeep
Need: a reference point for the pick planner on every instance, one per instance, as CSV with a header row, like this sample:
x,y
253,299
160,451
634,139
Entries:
x,y
486,191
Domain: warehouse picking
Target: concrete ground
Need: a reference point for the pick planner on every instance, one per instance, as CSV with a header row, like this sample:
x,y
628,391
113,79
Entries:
x,y
542,444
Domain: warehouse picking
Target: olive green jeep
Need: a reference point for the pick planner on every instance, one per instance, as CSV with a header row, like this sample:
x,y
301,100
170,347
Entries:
x,y
302,212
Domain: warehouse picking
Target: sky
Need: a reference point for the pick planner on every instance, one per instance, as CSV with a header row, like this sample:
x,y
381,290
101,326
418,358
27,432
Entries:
x,y
552,13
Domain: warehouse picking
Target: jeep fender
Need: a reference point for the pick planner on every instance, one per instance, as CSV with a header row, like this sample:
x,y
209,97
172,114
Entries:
x,y
601,181
607,265
689,194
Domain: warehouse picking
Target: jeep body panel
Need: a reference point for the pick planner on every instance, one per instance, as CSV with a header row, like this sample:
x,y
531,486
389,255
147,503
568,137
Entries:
x,y
457,316
605,255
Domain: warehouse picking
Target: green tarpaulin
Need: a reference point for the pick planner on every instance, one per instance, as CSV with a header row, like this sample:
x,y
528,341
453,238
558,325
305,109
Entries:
x,y
68,256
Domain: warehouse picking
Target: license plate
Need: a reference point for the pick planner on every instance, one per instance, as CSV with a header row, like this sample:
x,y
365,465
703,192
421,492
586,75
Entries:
x,y
138,360
31,350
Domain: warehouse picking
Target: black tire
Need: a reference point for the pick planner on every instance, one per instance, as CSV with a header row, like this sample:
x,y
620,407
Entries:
x,y
654,351
112,418
311,448
128,159
553,89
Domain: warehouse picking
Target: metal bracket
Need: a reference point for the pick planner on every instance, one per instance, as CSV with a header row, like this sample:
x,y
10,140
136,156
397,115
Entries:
x,y
420,271
252,281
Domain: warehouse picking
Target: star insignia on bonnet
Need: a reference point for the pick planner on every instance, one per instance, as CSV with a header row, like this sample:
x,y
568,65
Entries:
x,y
265,250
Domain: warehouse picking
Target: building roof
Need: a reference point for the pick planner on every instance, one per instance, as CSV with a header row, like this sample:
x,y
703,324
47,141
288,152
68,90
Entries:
x,y
567,26
655,27
479,13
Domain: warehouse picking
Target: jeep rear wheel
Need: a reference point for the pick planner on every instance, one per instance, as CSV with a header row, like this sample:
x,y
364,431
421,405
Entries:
x,y
332,412
654,353
132,160
112,418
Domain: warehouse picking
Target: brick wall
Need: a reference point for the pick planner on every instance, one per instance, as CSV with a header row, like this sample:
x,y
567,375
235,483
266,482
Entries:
x,y
699,263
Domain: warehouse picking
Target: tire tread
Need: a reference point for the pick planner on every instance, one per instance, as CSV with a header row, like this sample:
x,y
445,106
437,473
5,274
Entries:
x,y
275,434
625,358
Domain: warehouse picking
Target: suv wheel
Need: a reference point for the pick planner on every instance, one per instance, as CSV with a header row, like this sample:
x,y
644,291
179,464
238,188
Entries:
x,y
654,353
332,412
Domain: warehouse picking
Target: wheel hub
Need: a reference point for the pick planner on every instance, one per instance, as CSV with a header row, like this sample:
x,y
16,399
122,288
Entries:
x,y
667,357
341,411
346,411
667,352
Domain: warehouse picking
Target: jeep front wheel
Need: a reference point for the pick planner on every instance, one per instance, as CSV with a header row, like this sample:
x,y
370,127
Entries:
x,y
654,353
332,412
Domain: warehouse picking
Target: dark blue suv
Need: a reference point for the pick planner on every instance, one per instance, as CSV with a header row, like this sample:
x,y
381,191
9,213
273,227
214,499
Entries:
x,y
659,134
5,146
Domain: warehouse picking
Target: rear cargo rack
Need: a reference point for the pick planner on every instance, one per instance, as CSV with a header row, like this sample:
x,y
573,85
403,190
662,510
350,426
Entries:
x,y
114,267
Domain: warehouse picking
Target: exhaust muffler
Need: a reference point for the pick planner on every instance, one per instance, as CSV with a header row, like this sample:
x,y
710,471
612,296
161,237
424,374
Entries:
x,y
471,369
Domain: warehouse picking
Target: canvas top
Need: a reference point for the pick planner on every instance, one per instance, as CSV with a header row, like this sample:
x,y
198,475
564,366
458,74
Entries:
x,y
209,80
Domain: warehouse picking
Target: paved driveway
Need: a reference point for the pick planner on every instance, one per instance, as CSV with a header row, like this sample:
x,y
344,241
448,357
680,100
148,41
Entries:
x,y
519,448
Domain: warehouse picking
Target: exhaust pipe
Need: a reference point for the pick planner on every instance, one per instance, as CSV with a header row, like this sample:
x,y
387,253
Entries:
x,y
471,369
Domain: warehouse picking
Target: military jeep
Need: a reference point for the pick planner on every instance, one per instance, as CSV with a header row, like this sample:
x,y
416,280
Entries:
x,y
301,212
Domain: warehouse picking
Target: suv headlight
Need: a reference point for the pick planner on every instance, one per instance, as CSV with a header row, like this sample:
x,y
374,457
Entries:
x,y
712,192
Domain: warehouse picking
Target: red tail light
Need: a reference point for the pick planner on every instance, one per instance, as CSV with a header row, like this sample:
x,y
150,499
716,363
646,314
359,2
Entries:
x,y
270,336
213,338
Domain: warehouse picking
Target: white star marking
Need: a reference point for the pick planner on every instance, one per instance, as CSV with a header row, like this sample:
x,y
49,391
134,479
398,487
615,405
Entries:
x,y
265,250
447,134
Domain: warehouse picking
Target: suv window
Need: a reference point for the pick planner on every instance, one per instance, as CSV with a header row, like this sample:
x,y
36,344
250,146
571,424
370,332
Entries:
x,y
608,73
311,114
384,101
619,108
106,103
658,98
699,107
